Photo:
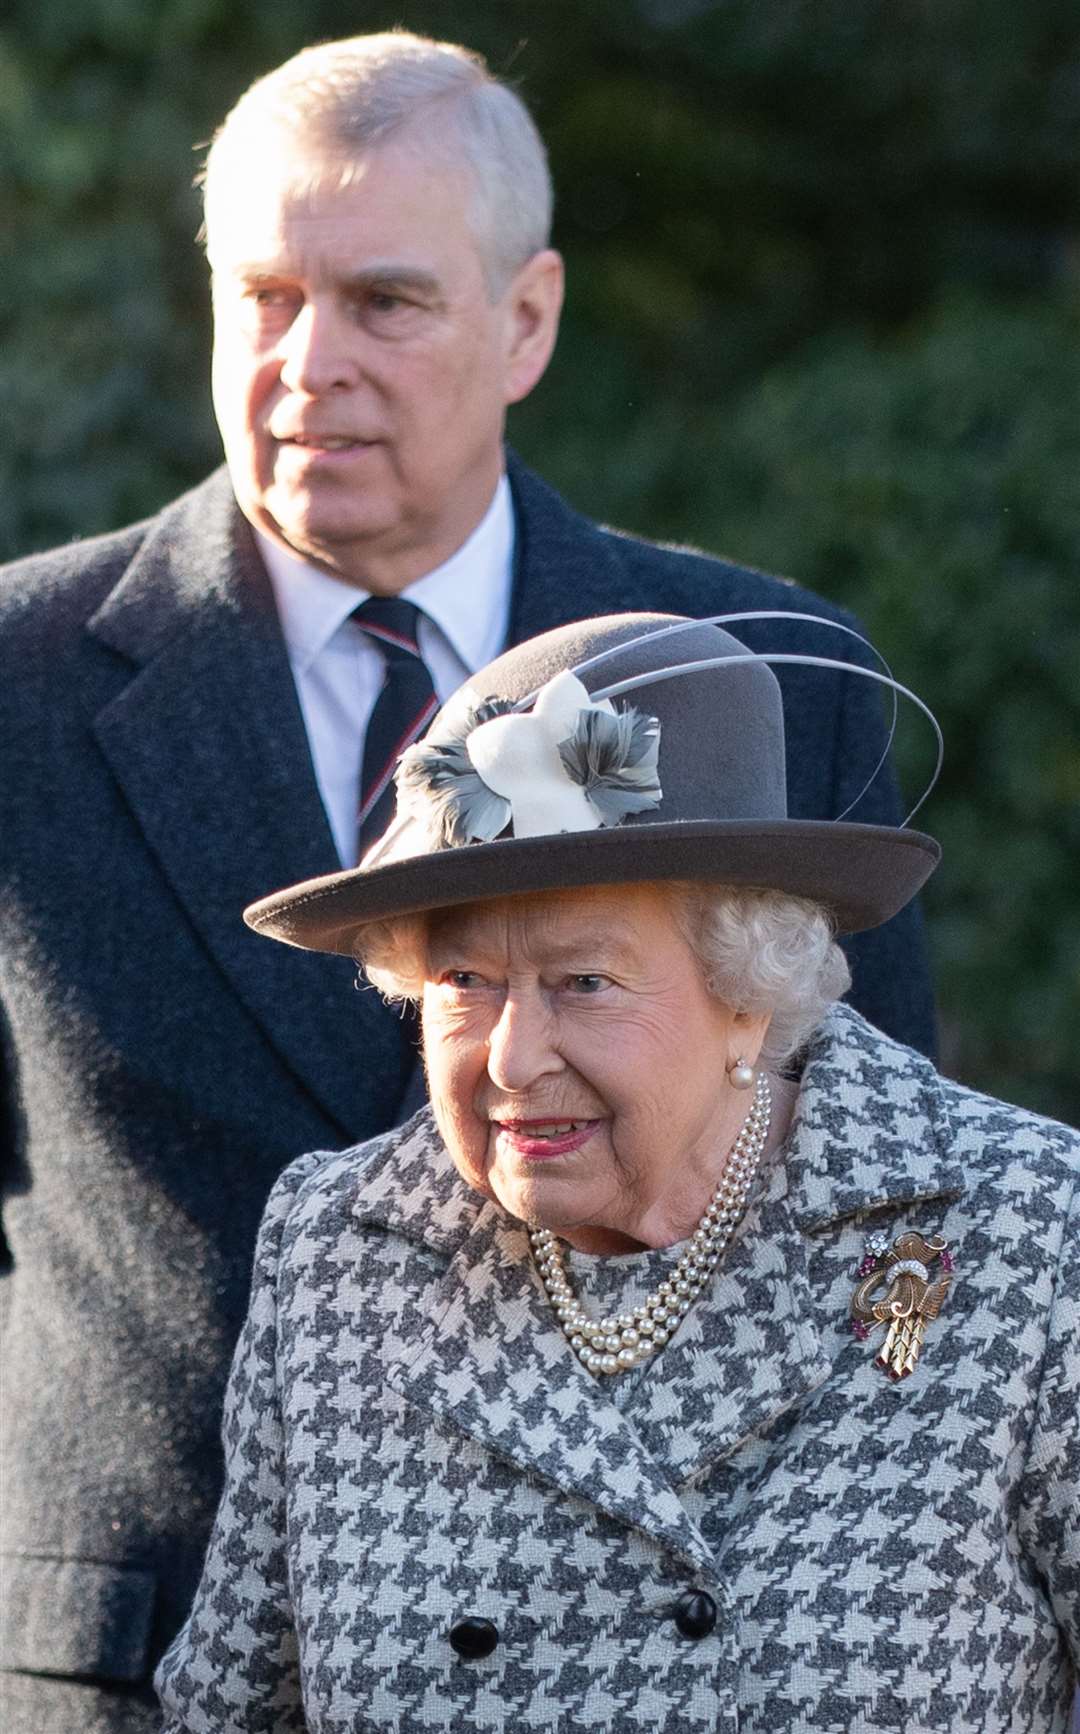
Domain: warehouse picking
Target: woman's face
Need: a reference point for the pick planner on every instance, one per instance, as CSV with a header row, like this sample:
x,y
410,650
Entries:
x,y
577,1063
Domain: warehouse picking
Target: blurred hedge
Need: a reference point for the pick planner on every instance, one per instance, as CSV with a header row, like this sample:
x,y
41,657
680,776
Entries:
x,y
823,316
932,480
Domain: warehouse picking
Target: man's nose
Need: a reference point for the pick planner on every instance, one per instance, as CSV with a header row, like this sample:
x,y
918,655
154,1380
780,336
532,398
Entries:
x,y
317,356
522,1046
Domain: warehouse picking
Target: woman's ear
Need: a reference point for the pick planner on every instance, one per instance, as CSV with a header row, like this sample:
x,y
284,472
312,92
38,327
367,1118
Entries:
x,y
748,1032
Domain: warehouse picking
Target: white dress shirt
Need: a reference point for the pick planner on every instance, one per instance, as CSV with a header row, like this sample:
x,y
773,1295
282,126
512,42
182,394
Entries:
x,y
338,670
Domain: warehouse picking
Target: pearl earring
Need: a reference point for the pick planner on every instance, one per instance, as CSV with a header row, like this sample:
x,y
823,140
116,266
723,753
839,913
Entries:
x,y
740,1075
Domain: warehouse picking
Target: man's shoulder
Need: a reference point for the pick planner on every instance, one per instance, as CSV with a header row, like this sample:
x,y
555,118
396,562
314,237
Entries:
x,y
636,573
698,577
70,581
49,575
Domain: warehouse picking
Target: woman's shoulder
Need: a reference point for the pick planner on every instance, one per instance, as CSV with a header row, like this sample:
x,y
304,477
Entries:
x,y
1021,1172
315,1180
849,1050
895,1093
983,1125
400,1180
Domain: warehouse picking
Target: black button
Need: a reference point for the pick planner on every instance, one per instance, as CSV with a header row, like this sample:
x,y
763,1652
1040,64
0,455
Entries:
x,y
695,1614
473,1637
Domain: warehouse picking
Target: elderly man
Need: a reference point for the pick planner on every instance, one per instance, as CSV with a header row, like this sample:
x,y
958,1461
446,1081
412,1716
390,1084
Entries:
x,y
208,705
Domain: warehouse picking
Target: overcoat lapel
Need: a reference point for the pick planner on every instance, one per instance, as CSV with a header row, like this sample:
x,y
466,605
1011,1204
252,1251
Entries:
x,y
206,739
495,1366
564,567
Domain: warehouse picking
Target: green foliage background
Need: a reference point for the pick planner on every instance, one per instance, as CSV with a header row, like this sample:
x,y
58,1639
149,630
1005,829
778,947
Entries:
x,y
823,316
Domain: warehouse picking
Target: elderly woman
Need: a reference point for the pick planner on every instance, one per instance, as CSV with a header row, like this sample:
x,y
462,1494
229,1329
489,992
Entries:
x,y
701,1360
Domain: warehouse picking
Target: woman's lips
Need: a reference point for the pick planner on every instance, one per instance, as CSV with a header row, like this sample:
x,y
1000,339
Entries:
x,y
526,1137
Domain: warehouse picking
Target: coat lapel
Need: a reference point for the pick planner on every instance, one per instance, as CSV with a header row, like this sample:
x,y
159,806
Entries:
x,y
749,1350
869,1135
565,568
206,739
493,1363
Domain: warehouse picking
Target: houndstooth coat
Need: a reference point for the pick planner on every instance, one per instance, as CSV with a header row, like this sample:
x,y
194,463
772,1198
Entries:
x,y
411,1442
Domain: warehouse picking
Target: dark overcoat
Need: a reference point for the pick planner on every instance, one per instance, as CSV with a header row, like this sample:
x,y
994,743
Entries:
x,y
162,1064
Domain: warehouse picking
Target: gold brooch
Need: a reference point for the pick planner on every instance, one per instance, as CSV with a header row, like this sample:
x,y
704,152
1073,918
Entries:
x,y
910,1299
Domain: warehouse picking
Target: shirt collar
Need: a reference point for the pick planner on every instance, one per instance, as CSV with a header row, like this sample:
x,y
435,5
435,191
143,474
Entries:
x,y
467,597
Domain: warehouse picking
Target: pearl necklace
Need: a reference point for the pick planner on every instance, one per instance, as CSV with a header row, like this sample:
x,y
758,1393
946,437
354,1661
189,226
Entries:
x,y
614,1345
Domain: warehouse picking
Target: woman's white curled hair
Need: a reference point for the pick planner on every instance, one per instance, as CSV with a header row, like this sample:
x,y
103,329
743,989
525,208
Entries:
x,y
758,951
391,954
764,951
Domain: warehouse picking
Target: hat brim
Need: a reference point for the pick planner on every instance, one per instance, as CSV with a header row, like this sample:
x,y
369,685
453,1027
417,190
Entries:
x,y
862,874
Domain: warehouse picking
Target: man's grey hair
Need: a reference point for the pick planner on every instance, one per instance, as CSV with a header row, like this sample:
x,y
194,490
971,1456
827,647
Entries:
x,y
332,104
758,951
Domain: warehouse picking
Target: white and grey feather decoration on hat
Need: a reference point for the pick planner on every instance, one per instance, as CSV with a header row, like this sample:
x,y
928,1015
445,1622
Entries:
x,y
568,764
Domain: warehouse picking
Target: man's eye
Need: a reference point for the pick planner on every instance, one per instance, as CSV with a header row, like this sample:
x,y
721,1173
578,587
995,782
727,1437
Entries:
x,y
268,308
462,979
381,304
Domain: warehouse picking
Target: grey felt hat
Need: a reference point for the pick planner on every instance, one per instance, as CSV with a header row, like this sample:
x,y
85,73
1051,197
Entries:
x,y
530,779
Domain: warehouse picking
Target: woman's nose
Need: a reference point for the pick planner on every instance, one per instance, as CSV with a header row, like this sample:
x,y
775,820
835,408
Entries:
x,y
522,1045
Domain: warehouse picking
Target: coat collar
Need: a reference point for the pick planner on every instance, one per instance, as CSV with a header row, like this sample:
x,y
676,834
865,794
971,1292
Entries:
x,y
871,1126
564,566
203,732
870,1133
492,1362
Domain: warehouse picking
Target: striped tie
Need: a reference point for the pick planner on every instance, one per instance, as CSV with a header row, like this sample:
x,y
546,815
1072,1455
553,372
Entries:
x,y
403,709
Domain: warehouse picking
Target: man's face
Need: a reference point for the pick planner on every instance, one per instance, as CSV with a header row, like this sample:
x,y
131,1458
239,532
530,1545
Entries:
x,y
361,369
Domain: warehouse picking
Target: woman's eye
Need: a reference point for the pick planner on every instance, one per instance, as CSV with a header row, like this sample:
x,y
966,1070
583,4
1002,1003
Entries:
x,y
588,983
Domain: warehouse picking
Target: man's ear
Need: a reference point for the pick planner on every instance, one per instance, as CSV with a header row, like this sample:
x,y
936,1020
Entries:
x,y
532,306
